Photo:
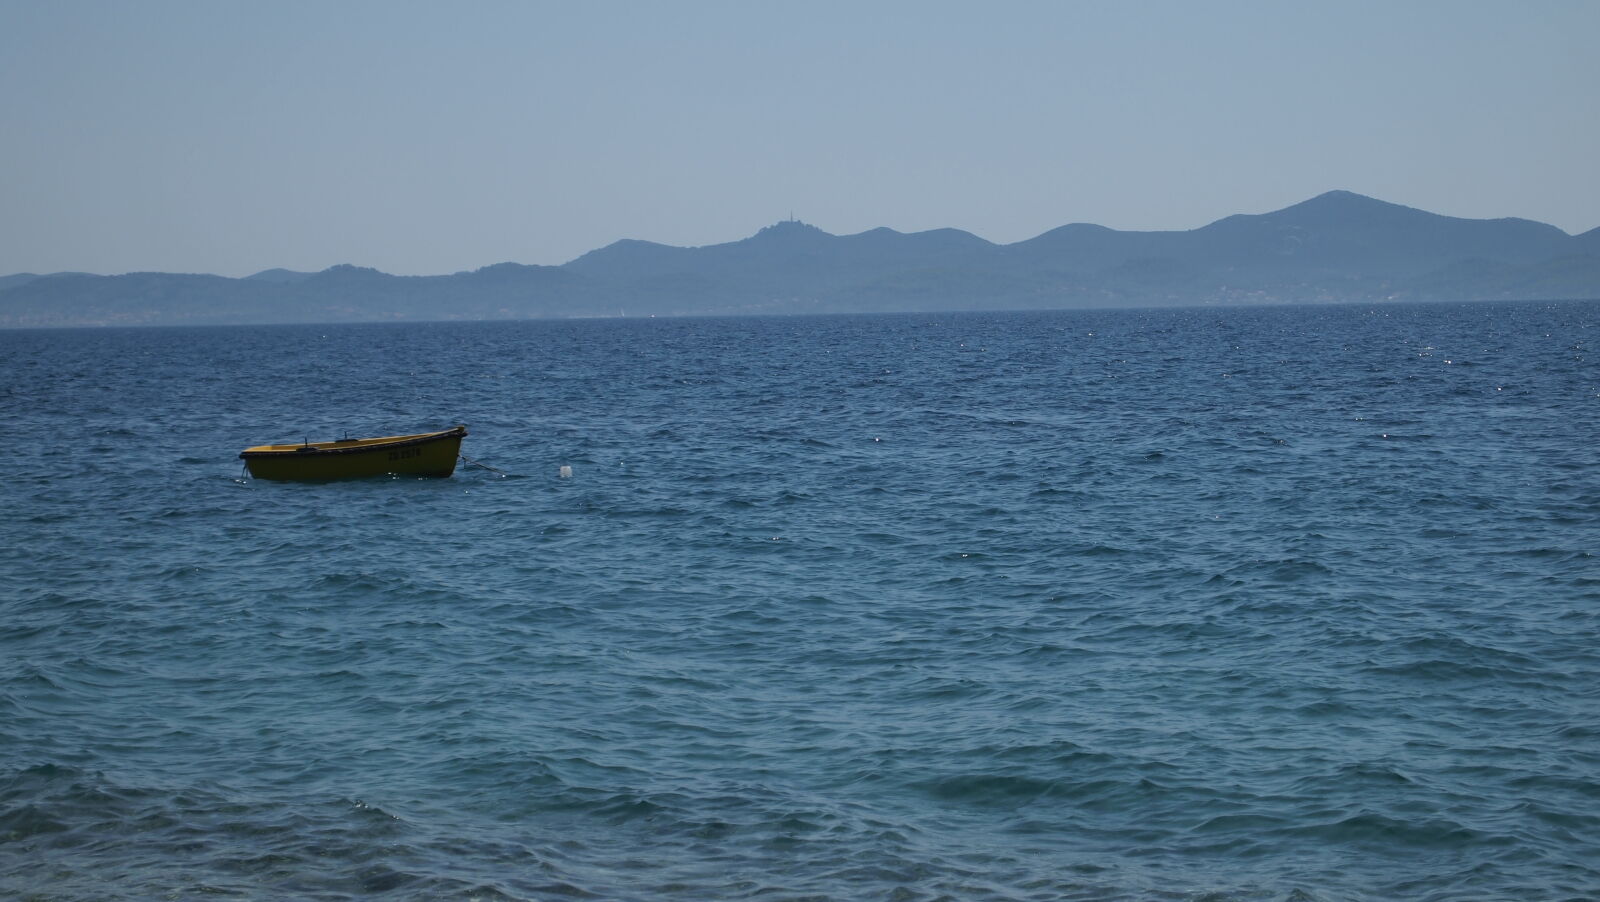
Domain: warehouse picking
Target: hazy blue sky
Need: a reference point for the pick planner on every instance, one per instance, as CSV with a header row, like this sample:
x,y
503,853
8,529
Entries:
x,y
231,137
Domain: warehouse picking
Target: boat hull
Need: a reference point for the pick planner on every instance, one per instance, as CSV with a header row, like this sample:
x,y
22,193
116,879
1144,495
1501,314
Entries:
x,y
429,454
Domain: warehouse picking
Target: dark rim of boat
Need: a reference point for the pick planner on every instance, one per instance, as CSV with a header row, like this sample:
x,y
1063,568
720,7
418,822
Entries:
x,y
307,450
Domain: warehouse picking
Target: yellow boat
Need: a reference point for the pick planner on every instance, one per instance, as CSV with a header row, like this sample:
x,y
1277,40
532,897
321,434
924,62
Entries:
x,y
425,454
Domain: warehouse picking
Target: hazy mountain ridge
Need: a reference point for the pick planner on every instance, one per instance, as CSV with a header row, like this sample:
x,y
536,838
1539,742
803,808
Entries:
x,y
1338,246
281,275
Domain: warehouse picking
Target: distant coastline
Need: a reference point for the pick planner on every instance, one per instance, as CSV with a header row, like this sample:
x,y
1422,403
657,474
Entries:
x,y
1336,247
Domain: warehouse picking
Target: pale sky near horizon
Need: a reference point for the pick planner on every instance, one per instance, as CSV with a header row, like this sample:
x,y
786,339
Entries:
x,y
232,137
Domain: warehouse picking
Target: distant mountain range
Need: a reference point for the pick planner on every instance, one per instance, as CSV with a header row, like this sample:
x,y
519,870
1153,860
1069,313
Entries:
x,y
1336,247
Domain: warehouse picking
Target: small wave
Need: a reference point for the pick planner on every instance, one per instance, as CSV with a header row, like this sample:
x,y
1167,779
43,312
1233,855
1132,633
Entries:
x,y
663,512
1582,822
1237,823
1373,829
1588,789
1287,571
1350,776
1435,670
1326,709
989,789
27,821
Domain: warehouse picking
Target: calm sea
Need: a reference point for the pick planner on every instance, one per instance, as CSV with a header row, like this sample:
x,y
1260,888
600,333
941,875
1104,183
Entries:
x,y
1242,604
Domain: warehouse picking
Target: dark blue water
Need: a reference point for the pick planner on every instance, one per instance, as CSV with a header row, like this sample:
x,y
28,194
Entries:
x,y
1285,604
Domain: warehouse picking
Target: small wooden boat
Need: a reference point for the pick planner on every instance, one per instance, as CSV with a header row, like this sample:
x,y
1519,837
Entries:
x,y
425,454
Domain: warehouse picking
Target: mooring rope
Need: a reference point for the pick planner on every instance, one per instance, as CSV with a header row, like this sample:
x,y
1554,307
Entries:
x,y
469,460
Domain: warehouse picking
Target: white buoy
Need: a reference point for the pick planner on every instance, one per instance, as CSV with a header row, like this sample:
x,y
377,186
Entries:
x,y
566,472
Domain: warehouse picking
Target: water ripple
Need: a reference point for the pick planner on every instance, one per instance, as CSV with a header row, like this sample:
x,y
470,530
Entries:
x,y
1111,605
